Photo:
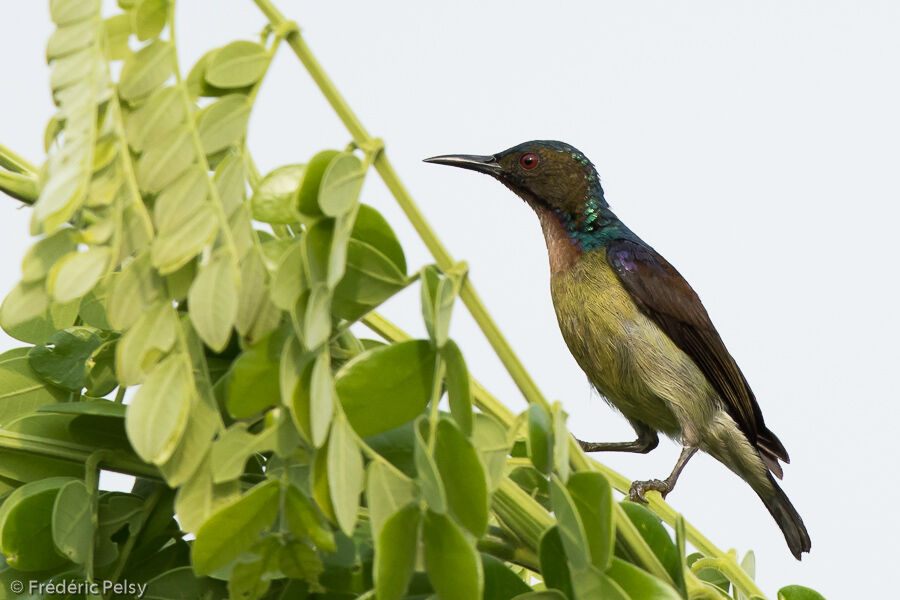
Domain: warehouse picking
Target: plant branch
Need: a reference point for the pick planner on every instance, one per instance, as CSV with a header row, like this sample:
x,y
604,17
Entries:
x,y
19,186
16,163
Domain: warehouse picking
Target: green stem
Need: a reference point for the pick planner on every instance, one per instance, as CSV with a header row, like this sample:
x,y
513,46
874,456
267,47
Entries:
x,y
521,513
77,453
120,394
147,509
14,162
498,544
21,187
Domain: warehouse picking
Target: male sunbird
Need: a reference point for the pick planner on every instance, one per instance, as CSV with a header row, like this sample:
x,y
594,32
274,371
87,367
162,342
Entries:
x,y
638,329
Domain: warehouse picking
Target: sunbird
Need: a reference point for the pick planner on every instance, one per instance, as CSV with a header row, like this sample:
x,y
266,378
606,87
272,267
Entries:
x,y
638,329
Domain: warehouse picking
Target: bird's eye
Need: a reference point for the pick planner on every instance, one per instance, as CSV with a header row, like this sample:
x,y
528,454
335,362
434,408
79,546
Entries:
x,y
529,161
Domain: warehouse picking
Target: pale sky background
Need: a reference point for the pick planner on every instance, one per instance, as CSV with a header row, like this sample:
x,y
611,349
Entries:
x,y
755,145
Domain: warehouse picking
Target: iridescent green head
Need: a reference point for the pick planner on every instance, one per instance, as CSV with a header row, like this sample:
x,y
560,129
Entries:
x,y
550,176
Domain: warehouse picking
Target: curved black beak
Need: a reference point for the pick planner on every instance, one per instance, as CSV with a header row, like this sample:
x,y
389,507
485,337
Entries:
x,y
482,164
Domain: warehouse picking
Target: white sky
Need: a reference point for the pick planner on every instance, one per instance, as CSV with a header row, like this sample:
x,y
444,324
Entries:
x,y
755,145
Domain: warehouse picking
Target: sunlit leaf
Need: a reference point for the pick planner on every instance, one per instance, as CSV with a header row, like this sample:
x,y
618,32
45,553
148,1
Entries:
x,y
237,65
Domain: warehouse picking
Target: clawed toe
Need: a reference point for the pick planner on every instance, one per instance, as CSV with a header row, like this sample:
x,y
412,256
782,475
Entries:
x,y
636,492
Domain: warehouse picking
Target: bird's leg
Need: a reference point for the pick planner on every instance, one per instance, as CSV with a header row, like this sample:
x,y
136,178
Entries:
x,y
646,441
636,493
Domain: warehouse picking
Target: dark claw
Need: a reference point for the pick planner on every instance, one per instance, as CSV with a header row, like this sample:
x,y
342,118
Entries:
x,y
636,492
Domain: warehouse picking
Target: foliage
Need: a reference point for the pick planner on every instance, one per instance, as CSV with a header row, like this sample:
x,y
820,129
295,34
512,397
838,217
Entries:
x,y
277,454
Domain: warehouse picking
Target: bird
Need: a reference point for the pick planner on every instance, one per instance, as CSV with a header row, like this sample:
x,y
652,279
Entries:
x,y
639,331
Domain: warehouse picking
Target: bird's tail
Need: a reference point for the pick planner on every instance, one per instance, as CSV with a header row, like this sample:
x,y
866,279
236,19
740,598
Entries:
x,y
787,518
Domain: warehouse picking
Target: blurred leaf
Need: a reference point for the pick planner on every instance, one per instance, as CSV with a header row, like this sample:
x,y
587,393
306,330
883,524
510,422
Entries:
x,y
73,532
213,301
500,583
117,30
540,438
386,492
158,414
463,477
341,183
387,386
156,119
592,495
274,200
489,436
305,520
175,248
395,552
26,540
181,583
437,303
560,441
571,527
236,65
76,273
146,70
459,387
345,473
62,361
45,253
638,583
22,390
534,483
101,377
148,340
542,595
132,292
162,163
428,477
149,18
321,395
223,123
453,565
289,282
798,592
253,380
233,529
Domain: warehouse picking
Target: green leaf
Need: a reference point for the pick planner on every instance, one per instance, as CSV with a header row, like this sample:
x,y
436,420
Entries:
x,y
463,477
571,527
387,386
180,200
151,337
66,12
453,565
542,595
236,65
21,391
73,532
132,292
156,119
149,18
66,40
306,521
253,380
500,583
345,473
370,278
163,162
146,70
213,301
798,592
540,439
341,183
26,539
638,583
117,30
62,360
489,436
560,441
233,529
181,582
174,249
317,316
387,490
27,314
395,553
437,303
41,257
321,398
288,282
372,228
308,192
223,123
101,376
657,537
428,477
459,386
253,300
275,198
76,273
158,414
592,495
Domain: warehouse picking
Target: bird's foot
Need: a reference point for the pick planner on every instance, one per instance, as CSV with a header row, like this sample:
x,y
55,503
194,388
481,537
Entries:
x,y
636,493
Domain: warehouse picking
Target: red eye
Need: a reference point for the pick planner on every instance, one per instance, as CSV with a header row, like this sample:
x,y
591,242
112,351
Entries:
x,y
529,161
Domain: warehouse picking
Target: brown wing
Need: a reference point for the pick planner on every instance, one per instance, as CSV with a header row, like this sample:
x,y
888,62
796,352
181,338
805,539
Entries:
x,y
664,296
